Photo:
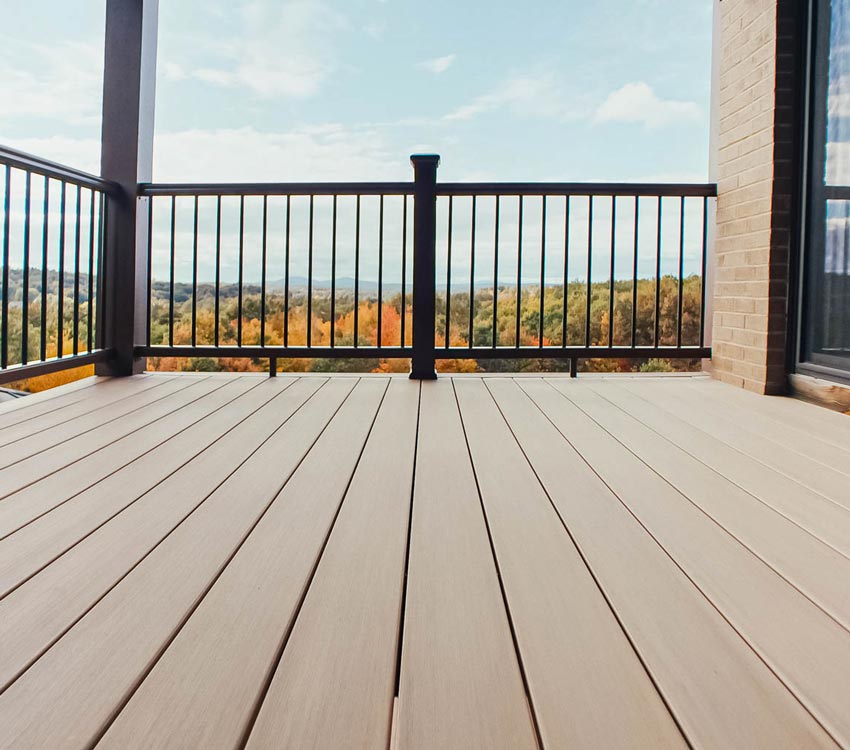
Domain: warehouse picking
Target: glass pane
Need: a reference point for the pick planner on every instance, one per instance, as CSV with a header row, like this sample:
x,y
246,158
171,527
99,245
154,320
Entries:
x,y
838,96
832,330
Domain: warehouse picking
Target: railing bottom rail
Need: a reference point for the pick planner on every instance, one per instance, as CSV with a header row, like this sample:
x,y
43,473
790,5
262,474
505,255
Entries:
x,y
22,372
571,352
275,352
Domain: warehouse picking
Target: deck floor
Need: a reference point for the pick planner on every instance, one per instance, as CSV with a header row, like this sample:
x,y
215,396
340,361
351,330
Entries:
x,y
194,561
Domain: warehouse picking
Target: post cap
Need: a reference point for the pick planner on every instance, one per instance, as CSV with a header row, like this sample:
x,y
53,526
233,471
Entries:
x,y
425,160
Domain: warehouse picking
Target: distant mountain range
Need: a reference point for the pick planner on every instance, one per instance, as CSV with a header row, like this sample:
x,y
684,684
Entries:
x,y
183,289
371,285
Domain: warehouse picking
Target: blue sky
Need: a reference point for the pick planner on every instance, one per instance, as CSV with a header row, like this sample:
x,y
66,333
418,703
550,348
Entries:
x,y
325,89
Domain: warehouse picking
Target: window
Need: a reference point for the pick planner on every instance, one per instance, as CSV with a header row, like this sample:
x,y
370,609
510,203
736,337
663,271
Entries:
x,y
826,301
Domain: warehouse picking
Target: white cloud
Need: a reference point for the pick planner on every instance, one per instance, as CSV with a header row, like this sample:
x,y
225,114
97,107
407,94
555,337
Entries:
x,y
328,152
438,65
534,95
375,29
216,77
79,153
282,50
61,81
171,71
310,154
637,102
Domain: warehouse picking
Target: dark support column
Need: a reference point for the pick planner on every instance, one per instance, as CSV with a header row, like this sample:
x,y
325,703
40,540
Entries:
x,y
127,158
424,265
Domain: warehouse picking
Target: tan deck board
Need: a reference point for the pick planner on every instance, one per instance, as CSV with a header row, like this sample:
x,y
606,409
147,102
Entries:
x,y
823,517
791,551
78,416
346,633
805,647
572,647
33,616
819,422
228,565
203,692
772,430
85,678
55,530
35,457
709,676
88,473
458,659
832,483
21,409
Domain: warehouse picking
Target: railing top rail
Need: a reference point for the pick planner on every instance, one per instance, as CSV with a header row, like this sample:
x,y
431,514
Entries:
x,y
699,190
275,188
46,168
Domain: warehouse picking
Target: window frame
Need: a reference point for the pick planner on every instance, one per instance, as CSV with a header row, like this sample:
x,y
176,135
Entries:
x,y
815,193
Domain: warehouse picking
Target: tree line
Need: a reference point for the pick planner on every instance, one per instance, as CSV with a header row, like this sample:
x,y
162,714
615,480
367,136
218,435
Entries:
x,y
340,325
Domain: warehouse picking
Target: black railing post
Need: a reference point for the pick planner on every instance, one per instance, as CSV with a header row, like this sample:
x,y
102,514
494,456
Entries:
x,y
126,158
424,265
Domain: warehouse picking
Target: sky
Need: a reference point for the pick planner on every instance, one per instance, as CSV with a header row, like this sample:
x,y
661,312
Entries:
x,y
318,90
348,89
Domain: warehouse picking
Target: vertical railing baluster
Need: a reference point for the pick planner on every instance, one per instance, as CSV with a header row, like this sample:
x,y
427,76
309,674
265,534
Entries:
x,y
77,271
217,301
240,297
542,272
310,278
286,273
566,309
60,313
403,271
658,277
4,307
171,272
424,266
263,260
333,274
45,208
90,274
149,261
496,276
612,271
679,300
635,271
357,274
472,275
589,295
102,222
25,281
195,272
380,269
703,259
519,276
449,275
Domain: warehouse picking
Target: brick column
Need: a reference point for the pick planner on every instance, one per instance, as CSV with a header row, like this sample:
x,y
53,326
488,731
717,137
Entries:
x,y
755,163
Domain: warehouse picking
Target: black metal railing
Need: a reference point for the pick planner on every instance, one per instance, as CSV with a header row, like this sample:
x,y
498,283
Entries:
x,y
278,270
427,270
51,273
575,270
382,270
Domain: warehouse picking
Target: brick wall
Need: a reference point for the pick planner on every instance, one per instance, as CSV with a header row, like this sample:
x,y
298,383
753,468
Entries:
x,y
755,164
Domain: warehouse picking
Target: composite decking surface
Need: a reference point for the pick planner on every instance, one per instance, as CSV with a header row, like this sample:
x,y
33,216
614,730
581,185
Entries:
x,y
192,561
